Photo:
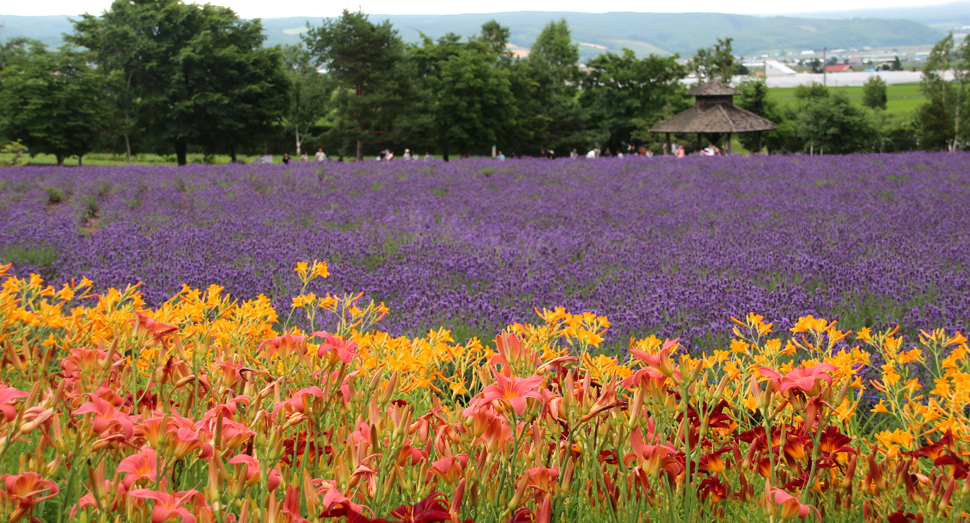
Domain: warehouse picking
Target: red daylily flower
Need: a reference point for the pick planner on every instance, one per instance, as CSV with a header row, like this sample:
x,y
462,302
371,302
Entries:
x,y
281,345
84,361
7,397
139,466
653,458
512,353
155,329
450,469
660,361
168,505
253,470
804,379
335,349
107,418
432,509
776,498
27,489
512,392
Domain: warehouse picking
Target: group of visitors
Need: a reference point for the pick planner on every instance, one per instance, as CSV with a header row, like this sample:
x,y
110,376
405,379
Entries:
x,y
319,157
607,153
679,152
387,155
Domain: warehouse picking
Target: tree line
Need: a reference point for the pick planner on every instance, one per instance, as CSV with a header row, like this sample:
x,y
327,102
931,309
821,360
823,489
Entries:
x,y
163,76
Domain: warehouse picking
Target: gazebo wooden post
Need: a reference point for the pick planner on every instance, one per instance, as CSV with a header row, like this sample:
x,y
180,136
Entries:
x,y
667,149
759,143
698,142
730,148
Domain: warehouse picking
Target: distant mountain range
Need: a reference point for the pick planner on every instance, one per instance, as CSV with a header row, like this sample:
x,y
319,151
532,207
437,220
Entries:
x,y
644,33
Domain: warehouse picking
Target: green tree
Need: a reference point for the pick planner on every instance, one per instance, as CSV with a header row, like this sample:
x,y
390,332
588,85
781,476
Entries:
x,y
366,63
50,101
624,96
897,132
309,93
814,91
196,74
897,65
496,36
834,125
116,48
874,93
555,46
754,98
474,103
546,94
715,63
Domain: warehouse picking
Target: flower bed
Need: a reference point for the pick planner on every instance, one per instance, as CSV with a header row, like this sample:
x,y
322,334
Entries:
x,y
662,247
200,410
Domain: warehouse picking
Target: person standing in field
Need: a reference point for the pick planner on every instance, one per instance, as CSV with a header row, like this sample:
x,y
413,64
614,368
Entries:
x,y
286,158
305,157
680,153
500,157
428,156
320,156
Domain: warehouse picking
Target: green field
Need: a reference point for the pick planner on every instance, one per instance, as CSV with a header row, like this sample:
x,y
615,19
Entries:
x,y
902,98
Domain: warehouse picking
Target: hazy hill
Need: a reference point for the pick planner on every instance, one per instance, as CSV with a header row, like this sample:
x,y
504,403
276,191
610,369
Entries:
x,y
943,16
663,33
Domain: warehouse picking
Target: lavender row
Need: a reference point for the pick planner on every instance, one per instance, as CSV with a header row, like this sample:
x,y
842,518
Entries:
x,y
658,245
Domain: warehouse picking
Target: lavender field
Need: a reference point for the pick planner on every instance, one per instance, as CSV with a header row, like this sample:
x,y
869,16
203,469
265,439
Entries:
x,y
660,246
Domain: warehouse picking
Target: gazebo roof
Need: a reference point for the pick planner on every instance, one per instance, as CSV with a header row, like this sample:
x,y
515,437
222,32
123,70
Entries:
x,y
714,88
720,118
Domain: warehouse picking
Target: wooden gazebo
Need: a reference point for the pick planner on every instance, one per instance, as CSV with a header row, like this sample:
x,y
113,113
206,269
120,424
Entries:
x,y
714,114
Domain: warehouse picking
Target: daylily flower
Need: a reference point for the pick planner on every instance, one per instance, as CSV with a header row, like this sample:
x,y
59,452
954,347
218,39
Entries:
x,y
84,361
335,349
432,509
7,397
186,441
449,470
777,501
804,379
512,392
155,329
661,361
106,417
27,490
283,345
653,458
168,505
143,465
511,352
253,471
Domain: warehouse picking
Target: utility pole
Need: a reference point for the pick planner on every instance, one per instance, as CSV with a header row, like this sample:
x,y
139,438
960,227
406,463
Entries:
x,y
825,66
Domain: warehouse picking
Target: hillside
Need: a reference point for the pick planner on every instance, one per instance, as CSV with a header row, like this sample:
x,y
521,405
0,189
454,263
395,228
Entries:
x,y
944,17
662,33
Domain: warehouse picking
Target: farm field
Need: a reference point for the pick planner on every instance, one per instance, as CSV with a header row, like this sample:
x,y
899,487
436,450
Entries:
x,y
901,98
730,339
658,246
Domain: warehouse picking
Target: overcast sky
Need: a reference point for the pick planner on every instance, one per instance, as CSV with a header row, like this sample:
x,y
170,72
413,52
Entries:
x,y
265,9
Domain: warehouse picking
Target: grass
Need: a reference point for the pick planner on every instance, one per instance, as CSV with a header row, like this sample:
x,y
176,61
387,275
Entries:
x,y
902,98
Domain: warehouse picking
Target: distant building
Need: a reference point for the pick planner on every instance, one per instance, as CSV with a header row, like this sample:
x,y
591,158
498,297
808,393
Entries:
x,y
775,68
838,69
